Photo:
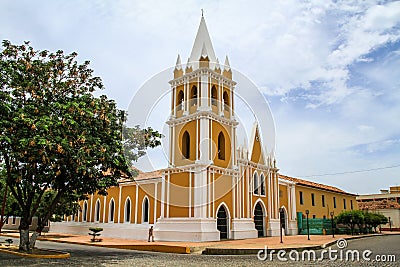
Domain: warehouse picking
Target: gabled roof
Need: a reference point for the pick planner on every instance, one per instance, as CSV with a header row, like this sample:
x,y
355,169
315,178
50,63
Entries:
x,y
255,139
202,43
313,184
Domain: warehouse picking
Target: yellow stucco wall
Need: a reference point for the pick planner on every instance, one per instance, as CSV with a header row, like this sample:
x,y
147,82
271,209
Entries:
x,y
318,210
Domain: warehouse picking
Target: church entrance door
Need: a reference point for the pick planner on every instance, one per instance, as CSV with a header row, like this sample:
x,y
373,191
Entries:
x,y
259,219
222,223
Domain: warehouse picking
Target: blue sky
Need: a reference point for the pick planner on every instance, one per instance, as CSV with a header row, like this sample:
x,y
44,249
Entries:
x,y
330,70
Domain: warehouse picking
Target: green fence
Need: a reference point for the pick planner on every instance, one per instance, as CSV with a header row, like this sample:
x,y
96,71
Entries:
x,y
316,226
321,226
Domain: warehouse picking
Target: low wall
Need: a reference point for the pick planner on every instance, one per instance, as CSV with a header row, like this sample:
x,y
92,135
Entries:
x,y
117,230
13,224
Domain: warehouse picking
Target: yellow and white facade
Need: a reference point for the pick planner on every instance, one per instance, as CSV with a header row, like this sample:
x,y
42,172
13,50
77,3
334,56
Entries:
x,y
212,189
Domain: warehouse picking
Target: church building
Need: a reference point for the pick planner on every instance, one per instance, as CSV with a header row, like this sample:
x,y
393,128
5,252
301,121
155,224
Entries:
x,y
212,189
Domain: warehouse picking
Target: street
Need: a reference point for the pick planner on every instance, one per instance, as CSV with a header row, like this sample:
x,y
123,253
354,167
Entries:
x,y
97,256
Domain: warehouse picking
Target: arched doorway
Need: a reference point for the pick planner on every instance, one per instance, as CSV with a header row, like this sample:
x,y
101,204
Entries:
x,y
145,209
282,217
222,222
259,219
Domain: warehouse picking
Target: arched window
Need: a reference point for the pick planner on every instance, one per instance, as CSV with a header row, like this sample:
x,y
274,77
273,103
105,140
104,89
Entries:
x,y
97,211
111,211
214,96
186,145
181,98
84,212
262,186
255,183
193,95
145,209
226,100
127,210
221,146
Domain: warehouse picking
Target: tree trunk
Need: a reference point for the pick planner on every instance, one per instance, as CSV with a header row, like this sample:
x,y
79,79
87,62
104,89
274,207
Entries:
x,y
24,240
35,234
33,239
24,235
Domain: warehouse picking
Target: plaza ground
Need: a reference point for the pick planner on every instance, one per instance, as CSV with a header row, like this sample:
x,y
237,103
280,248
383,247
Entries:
x,y
82,255
227,247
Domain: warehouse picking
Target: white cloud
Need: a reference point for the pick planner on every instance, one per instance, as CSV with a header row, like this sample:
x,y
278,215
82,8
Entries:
x,y
315,54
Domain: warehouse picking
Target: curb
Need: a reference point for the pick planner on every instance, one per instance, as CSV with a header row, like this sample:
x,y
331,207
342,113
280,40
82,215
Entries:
x,y
254,251
61,255
154,248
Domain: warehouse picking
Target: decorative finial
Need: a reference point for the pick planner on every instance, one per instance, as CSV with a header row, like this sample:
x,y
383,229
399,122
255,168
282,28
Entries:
x,y
202,12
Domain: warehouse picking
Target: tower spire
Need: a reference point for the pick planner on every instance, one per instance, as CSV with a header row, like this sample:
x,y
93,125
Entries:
x,y
202,40
178,64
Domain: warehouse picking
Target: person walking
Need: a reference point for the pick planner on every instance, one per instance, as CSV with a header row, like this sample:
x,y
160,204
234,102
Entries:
x,y
151,235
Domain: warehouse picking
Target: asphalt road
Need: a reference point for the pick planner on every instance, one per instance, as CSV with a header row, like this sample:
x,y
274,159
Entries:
x,y
386,247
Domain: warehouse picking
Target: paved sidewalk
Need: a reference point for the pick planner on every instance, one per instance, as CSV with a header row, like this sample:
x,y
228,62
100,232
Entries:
x,y
245,246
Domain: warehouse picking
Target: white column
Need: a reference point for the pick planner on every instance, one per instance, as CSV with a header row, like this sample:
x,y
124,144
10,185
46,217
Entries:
x,y
162,195
199,94
168,196
234,190
251,186
231,102
174,103
197,139
155,202
249,190
220,102
119,203
91,206
170,147
190,195
204,99
200,192
186,99
187,95
208,203
136,203
173,145
104,209
204,136
269,196
293,194
232,140
213,194
276,194
243,192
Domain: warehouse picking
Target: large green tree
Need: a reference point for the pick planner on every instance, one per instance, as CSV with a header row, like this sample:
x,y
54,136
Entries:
x,y
54,133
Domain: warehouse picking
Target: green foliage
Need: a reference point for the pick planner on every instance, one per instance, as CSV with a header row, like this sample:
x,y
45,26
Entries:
x,y
57,140
374,219
10,205
350,218
363,219
136,141
96,229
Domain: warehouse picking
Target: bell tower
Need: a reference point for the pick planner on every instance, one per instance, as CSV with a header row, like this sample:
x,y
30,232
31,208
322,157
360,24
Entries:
x,y
198,199
202,122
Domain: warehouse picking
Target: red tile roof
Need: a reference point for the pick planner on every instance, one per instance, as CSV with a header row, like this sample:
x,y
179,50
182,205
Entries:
x,y
378,204
143,175
314,185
